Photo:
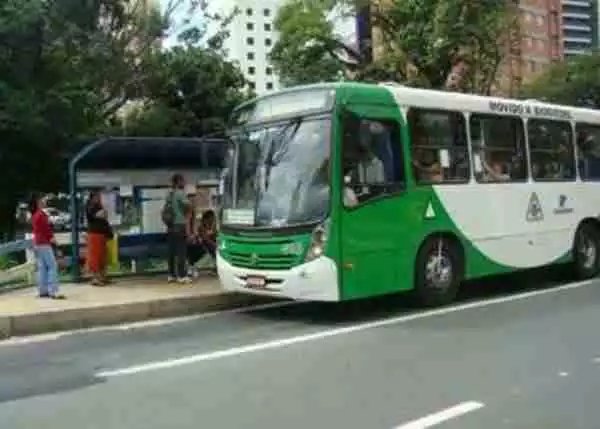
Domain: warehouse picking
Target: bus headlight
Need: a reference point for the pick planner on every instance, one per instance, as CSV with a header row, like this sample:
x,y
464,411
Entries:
x,y
318,241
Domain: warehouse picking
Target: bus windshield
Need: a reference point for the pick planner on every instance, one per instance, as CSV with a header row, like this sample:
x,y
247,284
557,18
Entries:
x,y
278,175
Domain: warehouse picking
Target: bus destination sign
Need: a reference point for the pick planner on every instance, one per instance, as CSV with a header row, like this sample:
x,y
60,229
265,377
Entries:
x,y
527,109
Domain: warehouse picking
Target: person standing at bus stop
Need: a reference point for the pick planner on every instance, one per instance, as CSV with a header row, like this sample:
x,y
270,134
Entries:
x,y
99,232
176,215
44,245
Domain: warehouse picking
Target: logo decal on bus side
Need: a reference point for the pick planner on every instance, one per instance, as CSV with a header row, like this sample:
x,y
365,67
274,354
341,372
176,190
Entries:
x,y
534,211
562,206
429,212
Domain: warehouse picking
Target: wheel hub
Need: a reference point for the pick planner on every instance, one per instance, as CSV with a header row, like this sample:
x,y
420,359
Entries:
x,y
438,271
587,250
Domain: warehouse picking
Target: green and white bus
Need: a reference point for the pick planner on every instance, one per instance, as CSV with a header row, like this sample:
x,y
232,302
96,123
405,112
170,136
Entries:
x,y
342,191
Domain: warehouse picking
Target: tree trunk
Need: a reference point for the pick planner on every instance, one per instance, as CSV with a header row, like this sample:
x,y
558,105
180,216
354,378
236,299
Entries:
x,y
8,220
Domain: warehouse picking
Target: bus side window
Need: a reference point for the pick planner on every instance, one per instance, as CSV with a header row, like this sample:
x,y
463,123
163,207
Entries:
x,y
588,151
551,148
439,146
499,147
372,159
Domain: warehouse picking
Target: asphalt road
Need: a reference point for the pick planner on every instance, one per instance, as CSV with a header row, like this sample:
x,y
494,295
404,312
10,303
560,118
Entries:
x,y
519,352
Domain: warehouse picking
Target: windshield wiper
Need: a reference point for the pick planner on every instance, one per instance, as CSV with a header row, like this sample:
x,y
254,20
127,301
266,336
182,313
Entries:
x,y
276,152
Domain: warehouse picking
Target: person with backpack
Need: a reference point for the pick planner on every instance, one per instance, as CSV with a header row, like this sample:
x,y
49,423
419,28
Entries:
x,y
175,215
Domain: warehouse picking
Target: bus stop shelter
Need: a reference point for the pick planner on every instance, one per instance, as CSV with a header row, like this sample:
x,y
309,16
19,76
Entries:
x,y
147,163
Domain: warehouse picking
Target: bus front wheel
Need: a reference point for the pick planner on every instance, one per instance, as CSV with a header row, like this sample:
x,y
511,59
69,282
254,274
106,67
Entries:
x,y
586,251
438,272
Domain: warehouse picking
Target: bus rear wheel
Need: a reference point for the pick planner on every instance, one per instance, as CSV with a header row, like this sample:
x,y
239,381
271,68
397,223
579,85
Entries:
x,y
438,272
586,252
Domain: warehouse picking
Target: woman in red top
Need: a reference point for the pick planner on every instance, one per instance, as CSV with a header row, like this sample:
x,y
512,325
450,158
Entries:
x,y
43,248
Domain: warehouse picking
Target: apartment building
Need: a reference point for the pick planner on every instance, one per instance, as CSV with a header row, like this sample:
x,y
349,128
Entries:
x,y
251,40
534,44
579,26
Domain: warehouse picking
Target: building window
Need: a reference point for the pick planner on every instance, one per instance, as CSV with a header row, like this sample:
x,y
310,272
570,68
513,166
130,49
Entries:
x,y
269,86
268,42
249,12
250,56
251,70
532,66
267,12
588,150
249,26
541,44
269,71
267,27
439,146
551,148
250,41
539,20
252,85
498,148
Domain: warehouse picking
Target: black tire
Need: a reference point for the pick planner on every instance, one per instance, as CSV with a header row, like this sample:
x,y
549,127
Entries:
x,y
586,252
442,290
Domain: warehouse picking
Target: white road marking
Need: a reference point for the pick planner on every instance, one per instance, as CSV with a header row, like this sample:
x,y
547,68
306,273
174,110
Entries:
x,y
596,360
563,374
320,335
15,341
442,416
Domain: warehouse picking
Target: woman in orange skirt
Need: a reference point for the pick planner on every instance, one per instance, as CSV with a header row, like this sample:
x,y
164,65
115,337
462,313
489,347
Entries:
x,y
98,232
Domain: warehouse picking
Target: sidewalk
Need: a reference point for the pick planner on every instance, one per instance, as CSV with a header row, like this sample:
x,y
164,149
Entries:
x,y
127,300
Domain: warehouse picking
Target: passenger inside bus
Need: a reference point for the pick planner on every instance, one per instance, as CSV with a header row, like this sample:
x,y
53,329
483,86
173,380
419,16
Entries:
x,y
589,159
370,168
426,166
494,169
363,170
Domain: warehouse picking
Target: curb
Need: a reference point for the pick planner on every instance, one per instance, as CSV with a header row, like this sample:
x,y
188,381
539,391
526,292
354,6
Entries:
x,y
81,318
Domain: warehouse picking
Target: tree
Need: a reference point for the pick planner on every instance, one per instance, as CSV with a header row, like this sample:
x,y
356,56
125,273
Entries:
x,y
192,93
304,52
458,44
66,68
193,88
575,82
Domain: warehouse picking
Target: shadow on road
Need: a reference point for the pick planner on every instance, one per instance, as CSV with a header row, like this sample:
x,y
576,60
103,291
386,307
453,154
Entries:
x,y
334,314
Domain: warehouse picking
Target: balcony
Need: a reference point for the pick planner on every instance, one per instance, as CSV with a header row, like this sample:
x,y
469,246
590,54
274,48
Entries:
x,y
577,3
577,15
582,40
572,52
578,28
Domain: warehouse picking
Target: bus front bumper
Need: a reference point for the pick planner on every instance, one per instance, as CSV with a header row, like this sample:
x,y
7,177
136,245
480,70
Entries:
x,y
313,281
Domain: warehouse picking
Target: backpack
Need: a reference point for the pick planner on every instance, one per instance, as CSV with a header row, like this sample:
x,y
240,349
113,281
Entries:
x,y
167,213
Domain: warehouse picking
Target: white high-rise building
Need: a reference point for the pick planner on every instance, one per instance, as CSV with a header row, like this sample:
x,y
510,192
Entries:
x,y
251,39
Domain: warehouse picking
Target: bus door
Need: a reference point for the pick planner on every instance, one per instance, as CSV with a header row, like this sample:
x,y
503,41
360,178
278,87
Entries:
x,y
373,181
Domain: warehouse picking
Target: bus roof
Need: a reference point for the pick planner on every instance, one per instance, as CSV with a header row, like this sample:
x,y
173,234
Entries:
x,y
432,99
445,100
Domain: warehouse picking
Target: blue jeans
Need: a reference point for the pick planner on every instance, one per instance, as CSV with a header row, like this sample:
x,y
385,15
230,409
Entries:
x,y
47,270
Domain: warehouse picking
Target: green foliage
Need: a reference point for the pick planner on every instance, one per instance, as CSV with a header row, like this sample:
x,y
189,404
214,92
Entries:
x,y
575,83
67,68
303,53
191,93
6,262
420,42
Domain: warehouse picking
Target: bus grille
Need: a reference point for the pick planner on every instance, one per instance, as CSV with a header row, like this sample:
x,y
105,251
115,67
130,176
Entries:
x,y
259,253
261,260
